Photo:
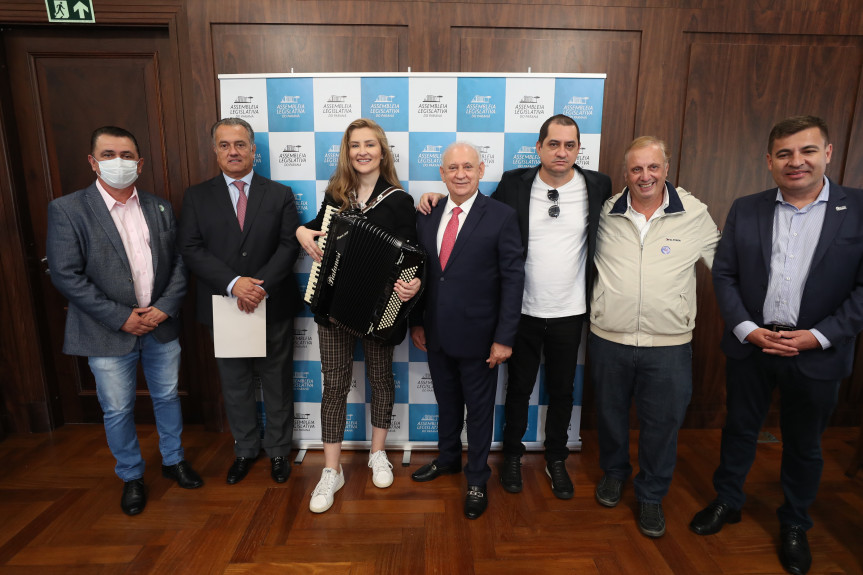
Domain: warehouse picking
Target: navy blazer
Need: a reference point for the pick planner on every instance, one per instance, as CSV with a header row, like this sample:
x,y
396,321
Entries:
x,y
216,250
514,190
476,300
832,300
90,268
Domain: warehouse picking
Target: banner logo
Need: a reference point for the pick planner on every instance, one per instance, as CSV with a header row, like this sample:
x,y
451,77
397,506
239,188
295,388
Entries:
x,y
355,422
384,107
327,148
525,157
302,381
302,339
481,104
337,106
530,108
244,107
481,107
290,107
583,158
578,108
428,423
425,383
430,156
426,151
487,155
305,199
292,157
432,106
307,381
395,423
304,422
331,157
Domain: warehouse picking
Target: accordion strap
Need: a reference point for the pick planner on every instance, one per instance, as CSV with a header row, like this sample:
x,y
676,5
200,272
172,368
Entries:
x,y
381,197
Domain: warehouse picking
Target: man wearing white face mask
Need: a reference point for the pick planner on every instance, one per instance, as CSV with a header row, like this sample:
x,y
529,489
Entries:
x,y
111,253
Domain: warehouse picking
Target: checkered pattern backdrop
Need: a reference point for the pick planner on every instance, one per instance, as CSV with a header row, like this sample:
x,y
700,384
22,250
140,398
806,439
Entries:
x,y
299,120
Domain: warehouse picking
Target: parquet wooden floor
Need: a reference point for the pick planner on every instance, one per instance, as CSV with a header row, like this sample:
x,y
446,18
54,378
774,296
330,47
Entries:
x,y
60,513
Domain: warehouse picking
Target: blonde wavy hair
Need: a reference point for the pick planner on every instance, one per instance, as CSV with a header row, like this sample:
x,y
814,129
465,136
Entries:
x,y
344,179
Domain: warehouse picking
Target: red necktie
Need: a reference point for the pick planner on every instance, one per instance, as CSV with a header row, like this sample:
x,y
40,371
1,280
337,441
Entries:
x,y
241,202
449,235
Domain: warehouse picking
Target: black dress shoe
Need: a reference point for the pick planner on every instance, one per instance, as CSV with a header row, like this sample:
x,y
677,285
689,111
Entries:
x,y
794,549
711,519
434,470
183,474
134,497
475,502
239,469
280,469
510,473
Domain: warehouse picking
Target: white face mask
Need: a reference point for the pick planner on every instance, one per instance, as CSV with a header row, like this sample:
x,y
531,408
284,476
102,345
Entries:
x,y
118,173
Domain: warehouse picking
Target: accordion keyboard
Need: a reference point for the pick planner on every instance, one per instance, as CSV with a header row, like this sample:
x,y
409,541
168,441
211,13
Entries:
x,y
390,314
315,272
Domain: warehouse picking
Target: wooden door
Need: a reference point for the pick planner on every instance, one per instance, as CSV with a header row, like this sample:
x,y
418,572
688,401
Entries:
x,y
64,84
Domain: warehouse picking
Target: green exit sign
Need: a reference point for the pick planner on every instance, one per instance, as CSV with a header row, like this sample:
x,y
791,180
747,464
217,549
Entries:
x,y
76,11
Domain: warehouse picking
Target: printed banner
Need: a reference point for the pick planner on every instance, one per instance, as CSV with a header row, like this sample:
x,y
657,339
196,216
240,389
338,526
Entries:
x,y
299,120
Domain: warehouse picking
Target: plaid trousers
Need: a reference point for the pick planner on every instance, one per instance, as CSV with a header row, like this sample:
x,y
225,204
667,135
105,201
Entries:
x,y
337,350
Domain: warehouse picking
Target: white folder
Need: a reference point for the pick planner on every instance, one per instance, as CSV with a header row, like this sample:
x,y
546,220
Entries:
x,y
237,333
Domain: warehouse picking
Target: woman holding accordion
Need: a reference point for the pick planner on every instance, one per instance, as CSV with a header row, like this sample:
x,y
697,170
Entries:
x,y
365,178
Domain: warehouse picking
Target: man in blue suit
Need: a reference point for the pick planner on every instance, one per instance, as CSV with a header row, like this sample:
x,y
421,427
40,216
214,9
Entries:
x,y
558,206
469,315
111,252
788,276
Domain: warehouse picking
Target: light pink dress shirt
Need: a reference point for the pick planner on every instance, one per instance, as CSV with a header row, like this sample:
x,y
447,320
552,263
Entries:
x,y
130,222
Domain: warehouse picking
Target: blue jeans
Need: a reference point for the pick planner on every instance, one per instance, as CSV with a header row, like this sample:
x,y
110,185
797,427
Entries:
x,y
660,381
115,387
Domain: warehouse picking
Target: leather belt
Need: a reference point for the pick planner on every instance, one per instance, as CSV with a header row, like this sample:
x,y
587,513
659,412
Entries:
x,y
779,327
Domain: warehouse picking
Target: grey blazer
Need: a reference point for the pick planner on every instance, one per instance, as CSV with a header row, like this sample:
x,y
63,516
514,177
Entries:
x,y
89,267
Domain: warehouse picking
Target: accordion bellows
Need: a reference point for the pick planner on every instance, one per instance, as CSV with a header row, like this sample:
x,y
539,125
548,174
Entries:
x,y
352,285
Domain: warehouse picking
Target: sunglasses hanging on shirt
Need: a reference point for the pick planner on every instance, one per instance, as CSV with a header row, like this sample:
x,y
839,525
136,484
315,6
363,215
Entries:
x,y
554,210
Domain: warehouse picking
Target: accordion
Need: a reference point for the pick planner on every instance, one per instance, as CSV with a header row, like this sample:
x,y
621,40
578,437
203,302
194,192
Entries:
x,y
352,285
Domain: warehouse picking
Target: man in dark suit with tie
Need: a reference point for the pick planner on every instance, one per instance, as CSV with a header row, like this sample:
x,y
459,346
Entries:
x,y
111,251
788,276
468,316
237,235
558,206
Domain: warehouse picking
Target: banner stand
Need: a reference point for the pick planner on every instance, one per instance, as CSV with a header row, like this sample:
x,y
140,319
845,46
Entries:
x,y
299,120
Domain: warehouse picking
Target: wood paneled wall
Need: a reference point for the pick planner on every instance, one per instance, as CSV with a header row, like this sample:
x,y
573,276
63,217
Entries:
x,y
710,81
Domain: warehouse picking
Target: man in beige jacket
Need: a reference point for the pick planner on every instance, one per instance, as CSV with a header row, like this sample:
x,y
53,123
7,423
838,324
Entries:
x,y
642,314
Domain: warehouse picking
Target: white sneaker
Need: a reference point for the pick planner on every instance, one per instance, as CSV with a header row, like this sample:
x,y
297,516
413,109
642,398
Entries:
x,y
382,474
322,497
